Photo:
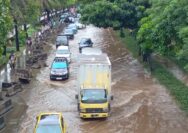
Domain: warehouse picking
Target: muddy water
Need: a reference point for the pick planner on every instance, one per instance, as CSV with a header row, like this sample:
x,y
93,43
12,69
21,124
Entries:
x,y
140,104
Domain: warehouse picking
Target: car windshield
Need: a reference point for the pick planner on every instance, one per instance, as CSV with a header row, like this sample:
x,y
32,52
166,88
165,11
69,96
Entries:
x,y
85,40
61,38
63,16
72,26
59,65
49,129
93,96
68,31
63,52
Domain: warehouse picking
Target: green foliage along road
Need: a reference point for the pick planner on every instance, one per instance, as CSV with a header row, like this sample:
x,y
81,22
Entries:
x,y
15,13
114,13
165,28
5,22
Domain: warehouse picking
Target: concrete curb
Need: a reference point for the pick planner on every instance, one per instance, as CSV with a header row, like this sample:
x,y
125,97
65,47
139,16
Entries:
x,y
2,123
11,88
5,106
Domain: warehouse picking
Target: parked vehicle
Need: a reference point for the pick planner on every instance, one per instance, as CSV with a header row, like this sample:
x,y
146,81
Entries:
x,y
73,27
50,123
85,42
94,85
62,40
69,33
63,51
59,69
72,19
80,26
78,15
64,17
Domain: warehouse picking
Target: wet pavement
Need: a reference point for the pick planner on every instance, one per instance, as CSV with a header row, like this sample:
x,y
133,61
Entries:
x,y
141,104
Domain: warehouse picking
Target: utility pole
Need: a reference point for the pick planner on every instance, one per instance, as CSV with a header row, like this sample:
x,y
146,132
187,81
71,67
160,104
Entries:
x,y
16,35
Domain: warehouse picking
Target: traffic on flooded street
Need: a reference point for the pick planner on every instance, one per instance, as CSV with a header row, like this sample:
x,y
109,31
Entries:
x,y
140,104
79,78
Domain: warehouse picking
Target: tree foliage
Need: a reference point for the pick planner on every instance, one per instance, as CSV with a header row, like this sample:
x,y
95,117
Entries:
x,y
23,12
165,27
5,21
114,13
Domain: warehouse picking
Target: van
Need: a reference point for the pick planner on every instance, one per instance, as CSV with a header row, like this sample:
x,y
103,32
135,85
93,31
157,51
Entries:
x,y
62,40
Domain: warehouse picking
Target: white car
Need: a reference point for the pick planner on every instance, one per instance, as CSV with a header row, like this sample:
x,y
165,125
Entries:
x,y
80,26
64,51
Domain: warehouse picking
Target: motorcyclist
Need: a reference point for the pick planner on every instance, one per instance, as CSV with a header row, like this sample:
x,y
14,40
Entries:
x,y
12,60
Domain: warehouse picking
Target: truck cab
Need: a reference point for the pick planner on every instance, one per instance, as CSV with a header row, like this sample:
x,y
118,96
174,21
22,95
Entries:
x,y
93,103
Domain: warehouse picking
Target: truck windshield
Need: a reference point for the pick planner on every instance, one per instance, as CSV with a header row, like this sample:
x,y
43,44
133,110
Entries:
x,y
93,96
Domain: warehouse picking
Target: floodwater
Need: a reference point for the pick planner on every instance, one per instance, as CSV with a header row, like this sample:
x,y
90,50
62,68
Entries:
x,y
140,105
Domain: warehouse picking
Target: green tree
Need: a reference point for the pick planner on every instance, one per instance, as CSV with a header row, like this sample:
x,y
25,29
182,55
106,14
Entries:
x,y
5,22
168,24
114,13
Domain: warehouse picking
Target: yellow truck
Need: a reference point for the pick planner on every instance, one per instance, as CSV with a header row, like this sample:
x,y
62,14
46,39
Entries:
x,y
94,85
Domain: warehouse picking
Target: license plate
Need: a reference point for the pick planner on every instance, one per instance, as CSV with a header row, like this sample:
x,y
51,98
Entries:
x,y
58,78
94,115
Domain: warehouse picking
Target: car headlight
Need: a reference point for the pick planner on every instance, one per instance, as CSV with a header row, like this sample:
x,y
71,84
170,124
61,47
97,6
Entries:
x,y
53,72
83,110
65,71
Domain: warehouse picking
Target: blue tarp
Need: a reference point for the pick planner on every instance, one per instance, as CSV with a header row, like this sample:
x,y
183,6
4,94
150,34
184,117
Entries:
x,y
59,65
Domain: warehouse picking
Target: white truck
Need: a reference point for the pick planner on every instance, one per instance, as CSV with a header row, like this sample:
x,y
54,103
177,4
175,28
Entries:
x,y
94,85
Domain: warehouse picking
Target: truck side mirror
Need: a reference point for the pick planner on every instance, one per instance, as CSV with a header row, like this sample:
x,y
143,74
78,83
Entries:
x,y
112,97
37,118
76,96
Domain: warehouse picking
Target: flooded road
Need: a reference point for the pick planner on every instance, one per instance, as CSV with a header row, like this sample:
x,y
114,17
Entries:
x,y
140,104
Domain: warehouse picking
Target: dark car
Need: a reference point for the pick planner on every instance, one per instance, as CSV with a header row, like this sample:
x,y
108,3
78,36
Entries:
x,y
59,69
69,33
65,18
85,42
62,40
